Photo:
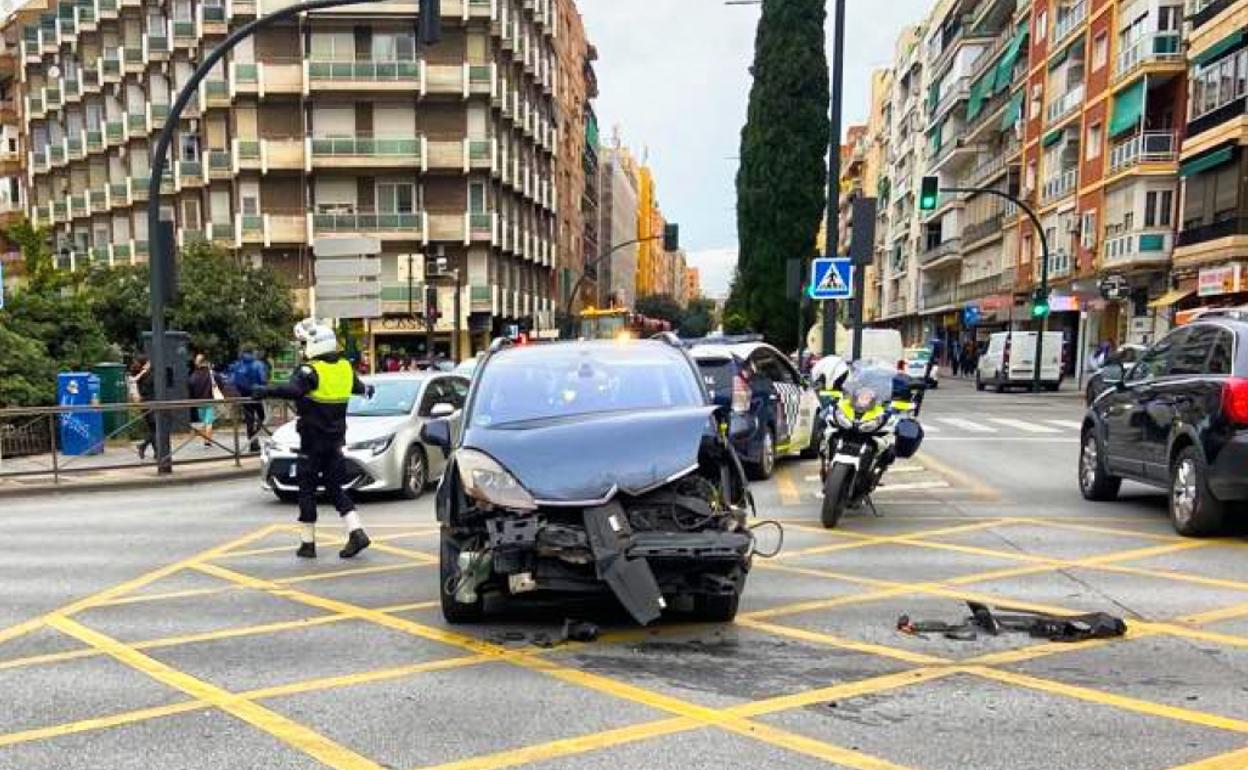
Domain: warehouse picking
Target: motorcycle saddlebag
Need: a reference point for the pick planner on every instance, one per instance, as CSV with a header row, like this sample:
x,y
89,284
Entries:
x,y
909,436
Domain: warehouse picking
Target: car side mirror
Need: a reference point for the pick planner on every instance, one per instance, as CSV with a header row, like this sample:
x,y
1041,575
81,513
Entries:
x,y
1113,374
442,409
437,433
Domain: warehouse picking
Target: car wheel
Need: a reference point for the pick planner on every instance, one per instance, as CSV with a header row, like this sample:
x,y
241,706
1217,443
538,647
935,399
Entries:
x,y
836,489
716,608
454,611
766,465
1194,510
979,384
415,473
1095,483
286,497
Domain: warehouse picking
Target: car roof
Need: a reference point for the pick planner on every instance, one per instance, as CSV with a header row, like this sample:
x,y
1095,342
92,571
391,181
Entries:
x,y
740,349
400,376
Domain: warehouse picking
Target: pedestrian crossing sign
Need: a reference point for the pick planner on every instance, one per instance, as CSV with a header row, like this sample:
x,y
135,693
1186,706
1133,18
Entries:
x,y
832,278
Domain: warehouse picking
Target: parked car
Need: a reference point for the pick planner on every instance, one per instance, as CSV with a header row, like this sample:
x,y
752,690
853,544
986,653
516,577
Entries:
x,y
1010,361
1178,419
592,467
920,368
1126,355
384,452
773,406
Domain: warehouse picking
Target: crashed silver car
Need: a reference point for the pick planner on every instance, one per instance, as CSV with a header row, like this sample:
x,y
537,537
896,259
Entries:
x,y
592,467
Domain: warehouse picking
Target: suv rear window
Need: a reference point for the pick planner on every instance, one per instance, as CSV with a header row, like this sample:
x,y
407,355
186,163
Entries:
x,y
717,373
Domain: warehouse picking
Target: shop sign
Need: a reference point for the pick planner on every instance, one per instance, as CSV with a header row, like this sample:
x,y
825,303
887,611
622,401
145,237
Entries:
x,y
1219,280
1063,303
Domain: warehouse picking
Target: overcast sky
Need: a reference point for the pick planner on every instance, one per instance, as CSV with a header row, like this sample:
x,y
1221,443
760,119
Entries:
x,y
673,75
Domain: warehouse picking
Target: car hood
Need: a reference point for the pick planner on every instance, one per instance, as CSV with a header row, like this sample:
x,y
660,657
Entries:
x,y
590,457
358,429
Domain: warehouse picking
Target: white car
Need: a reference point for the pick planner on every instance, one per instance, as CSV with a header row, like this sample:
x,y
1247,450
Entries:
x,y
917,362
384,452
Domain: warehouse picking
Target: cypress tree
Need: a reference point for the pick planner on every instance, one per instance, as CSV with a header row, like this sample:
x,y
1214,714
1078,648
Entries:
x,y
782,178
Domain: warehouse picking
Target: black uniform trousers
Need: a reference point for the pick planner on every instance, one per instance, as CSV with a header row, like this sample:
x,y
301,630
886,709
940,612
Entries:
x,y
321,465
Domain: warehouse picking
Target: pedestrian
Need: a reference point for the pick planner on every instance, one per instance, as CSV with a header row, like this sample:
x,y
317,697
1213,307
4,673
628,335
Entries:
x,y
321,388
246,374
202,386
955,360
968,358
1096,361
140,388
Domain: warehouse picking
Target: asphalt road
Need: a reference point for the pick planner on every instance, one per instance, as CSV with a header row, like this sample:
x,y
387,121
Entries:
x,y
177,630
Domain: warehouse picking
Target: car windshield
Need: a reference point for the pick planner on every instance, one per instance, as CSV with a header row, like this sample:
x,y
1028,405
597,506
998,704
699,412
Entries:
x,y
538,383
390,399
918,355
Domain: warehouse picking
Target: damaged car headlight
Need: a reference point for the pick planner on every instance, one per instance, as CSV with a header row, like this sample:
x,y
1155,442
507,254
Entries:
x,y
484,479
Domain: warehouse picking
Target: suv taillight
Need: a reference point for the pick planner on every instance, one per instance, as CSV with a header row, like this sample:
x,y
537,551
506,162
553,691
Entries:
x,y
1235,401
740,393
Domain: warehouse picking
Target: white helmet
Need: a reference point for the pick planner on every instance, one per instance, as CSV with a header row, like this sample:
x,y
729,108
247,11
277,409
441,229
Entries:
x,y
829,371
317,338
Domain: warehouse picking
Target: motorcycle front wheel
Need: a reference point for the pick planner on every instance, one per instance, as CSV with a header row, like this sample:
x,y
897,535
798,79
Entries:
x,y
836,492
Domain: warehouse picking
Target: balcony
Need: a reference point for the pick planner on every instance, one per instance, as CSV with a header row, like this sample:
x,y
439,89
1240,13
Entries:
x,y
1155,48
110,67
137,124
185,33
119,194
409,226
114,132
957,92
289,227
188,174
1226,228
1148,147
380,152
220,233
216,93
99,200
158,46
481,226
280,78
250,229
984,229
79,206
987,285
447,79
1059,186
943,253
283,154
134,57
990,166
1236,108
248,154
1065,105
447,227
375,75
220,163
1067,23
1138,247
213,20
1201,12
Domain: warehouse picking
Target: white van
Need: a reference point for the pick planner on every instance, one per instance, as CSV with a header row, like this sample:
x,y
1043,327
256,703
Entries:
x,y
1010,361
881,345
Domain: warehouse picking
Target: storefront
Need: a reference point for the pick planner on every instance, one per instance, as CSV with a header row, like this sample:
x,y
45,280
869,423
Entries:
x,y
407,338
1217,286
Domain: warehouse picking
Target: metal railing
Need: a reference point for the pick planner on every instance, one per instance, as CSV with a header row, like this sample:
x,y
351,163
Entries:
x,y
1155,47
1066,104
1138,244
1060,186
1148,147
1065,24
107,437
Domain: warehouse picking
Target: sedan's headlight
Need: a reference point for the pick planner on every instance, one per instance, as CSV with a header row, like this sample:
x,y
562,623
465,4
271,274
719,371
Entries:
x,y
375,445
484,479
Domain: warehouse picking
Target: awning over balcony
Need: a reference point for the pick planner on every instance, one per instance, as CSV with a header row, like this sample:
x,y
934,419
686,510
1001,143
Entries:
x,y
1226,45
1128,108
1013,111
1207,161
1171,297
1052,138
1060,59
1005,67
981,90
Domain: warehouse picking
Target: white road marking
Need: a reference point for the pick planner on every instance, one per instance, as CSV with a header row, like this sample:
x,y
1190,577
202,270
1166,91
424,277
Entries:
x,y
886,487
1071,424
968,425
1023,425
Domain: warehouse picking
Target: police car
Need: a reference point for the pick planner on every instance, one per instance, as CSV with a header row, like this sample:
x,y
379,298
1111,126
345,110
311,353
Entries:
x,y
773,406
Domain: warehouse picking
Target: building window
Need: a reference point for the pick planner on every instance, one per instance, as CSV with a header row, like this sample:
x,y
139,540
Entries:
x,y
189,145
1158,205
1042,25
1100,51
1094,141
1220,83
476,197
396,197
1087,230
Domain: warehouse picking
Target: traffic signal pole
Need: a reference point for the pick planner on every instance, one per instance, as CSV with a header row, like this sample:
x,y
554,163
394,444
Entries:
x,y
832,241
1044,268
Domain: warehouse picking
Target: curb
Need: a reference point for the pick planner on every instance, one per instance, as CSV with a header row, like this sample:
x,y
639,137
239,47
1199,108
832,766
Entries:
x,y
186,478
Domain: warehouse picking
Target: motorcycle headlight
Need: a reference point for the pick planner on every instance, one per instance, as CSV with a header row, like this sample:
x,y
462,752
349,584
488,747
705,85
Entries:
x,y
484,479
375,445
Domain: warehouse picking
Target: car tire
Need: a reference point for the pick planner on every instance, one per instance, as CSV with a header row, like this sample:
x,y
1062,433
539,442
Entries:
x,y
1194,511
415,473
836,491
716,608
1095,482
766,465
453,611
286,497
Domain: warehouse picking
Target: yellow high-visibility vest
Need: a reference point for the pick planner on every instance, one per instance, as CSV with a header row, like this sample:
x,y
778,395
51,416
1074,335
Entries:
x,y
333,381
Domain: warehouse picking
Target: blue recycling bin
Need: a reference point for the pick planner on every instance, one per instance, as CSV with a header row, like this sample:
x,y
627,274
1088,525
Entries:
x,y
82,433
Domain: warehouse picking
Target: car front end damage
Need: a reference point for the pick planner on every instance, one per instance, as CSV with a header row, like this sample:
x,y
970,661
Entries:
x,y
683,542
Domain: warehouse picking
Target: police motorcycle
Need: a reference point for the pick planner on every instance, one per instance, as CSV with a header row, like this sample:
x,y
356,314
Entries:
x,y
870,420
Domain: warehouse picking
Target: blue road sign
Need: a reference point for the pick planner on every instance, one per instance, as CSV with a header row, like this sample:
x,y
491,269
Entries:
x,y
971,315
831,278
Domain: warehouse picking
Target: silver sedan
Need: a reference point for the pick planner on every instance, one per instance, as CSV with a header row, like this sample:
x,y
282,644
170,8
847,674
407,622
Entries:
x,y
383,452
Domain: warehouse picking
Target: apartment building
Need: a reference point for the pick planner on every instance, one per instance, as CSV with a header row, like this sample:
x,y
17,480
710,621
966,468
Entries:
x,y
1213,236
12,159
335,124
693,284
577,86
618,207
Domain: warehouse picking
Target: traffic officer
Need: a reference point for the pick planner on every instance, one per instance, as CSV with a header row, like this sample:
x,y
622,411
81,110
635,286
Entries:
x,y
321,388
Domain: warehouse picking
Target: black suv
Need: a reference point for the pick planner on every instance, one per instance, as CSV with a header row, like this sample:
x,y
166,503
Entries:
x,y
1178,418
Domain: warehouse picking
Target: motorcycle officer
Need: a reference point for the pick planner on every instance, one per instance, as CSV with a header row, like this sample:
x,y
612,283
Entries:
x,y
321,388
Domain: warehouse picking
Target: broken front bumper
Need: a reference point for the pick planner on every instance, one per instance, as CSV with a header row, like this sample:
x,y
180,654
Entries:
x,y
536,552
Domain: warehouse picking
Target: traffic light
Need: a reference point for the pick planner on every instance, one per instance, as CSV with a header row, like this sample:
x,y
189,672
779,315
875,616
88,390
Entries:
x,y
1040,304
929,191
671,237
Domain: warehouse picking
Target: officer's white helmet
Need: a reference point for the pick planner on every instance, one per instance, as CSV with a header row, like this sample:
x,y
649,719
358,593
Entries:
x,y
317,338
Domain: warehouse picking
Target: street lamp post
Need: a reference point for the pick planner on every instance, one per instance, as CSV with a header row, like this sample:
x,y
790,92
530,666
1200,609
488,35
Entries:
x,y
161,252
833,222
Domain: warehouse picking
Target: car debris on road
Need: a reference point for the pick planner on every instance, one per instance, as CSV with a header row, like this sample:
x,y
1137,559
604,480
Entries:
x,y
1075,628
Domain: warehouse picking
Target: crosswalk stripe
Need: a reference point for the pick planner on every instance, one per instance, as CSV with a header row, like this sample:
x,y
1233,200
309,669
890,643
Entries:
x,y
1023,425
1071,424
970,425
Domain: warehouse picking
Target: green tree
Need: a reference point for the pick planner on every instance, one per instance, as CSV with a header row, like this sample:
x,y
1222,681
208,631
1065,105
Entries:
x,y
662,307
781,181
27,374
698,318
120,298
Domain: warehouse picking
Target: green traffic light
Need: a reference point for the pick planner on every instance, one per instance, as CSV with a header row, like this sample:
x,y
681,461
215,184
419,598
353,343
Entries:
x,y
929,193
1040,304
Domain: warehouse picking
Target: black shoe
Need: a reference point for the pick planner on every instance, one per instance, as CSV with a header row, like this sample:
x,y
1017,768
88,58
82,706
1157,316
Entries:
x,y
357,541
306,551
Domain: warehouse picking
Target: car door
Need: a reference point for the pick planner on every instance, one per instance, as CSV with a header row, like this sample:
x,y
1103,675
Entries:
x,y
771,381
1187,395
1126,410
436,392
800,403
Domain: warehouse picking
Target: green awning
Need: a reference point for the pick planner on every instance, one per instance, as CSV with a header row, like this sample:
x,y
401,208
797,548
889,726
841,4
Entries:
x,y
1052,138
1206,162
933,96
1128,107
1005,67
1221,48
1060,59
980,91
1013,111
